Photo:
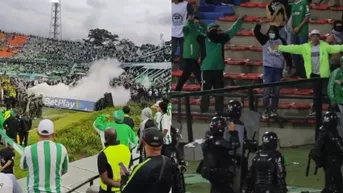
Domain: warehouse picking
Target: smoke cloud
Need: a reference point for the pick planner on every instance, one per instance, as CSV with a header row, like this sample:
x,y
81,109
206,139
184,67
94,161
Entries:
x,y
91,87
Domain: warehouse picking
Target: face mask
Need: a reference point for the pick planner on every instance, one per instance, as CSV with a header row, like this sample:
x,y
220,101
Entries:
x,y
271,35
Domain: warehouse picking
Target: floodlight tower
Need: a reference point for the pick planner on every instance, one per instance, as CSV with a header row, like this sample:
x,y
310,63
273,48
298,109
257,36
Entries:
x,y
56,20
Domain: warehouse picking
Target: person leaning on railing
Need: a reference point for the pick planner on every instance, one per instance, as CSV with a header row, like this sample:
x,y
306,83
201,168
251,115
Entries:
x,y
316,58
335,86
108,162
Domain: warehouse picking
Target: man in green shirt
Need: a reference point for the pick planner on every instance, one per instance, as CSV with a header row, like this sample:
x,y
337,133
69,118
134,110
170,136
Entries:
x,y
335,87
212,64
191,51
125,134
299,31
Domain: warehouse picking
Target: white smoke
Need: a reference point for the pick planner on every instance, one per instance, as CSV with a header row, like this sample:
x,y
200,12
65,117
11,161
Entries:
x,y
91,87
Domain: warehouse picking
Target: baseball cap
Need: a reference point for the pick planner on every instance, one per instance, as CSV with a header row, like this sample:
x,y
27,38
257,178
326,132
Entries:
x,y
118,116
212,25
46,127
315,32
6,183
156,104
153,137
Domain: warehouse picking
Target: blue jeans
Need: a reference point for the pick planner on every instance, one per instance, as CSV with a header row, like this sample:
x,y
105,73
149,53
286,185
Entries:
x,y
298,59
271,75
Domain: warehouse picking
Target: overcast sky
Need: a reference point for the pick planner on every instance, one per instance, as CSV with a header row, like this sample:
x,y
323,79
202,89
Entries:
x,y
141,21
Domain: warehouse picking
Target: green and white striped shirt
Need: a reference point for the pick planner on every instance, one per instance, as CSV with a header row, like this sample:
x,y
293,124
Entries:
x,y
45,162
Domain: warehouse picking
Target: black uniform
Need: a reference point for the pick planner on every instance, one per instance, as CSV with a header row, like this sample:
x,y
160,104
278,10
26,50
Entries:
x,y
327,153
234,112
25,126
218,165
267,172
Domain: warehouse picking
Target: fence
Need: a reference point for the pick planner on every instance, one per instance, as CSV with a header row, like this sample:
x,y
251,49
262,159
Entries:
x,y
252,98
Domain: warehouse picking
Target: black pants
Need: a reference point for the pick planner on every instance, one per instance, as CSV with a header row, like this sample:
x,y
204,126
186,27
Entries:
x,y
23,136
221,188
215,79
265,188
315,89
333,175
175,43
191,66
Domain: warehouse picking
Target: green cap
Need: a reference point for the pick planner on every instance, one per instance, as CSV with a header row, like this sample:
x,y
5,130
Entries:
x,y
118,116
211,25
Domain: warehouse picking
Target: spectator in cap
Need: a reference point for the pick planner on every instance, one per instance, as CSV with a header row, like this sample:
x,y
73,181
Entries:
x,y
155,173
335,86
316,58
37,160
125,134
127,119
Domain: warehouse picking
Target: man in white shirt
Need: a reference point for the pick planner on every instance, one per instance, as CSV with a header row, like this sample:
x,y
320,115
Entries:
x,y
45,161
181,10
164,125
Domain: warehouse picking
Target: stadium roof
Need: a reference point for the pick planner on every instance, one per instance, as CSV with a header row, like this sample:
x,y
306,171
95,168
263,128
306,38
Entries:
x,y
159,65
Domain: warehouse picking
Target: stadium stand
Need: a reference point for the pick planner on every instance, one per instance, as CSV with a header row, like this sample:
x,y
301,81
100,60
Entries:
x,y
244,56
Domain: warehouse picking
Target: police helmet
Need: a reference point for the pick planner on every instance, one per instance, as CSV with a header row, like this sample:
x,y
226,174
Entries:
x,y
269,141
218,125
330,119
234,109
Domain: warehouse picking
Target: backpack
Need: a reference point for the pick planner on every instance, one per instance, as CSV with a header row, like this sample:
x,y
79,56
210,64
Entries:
x,y
173,133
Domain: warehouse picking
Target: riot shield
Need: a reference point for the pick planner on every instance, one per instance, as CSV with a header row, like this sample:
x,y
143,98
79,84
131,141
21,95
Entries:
x,y
251,120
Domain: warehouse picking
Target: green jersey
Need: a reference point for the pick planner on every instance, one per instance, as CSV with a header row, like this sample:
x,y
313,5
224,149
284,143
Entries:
x,y
300,10
191,48
214,53
45,162
125,134
335,91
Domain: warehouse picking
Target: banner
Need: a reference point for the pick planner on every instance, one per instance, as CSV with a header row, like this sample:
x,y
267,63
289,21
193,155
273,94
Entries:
x,y
10,141
72,104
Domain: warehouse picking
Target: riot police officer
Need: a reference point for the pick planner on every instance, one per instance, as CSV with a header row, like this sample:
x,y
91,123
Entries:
x,y
234,112
39,105
32,106
327,153
218,165
267,172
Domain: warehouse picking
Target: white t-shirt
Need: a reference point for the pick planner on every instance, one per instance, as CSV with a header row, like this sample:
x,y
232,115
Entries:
x,y
6,184
157,118
315,59
179,17
163,124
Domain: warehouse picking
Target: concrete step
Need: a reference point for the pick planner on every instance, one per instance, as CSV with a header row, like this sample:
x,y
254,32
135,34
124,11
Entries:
x,y
261,12
252,55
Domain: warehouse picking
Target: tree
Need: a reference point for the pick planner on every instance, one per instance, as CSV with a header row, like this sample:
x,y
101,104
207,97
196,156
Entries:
x,y
101,37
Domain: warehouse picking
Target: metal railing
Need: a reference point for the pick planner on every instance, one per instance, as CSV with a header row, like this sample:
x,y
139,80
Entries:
x,y
252,102
89,181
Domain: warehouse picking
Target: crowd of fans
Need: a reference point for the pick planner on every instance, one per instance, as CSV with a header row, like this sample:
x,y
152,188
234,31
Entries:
x,y
287,34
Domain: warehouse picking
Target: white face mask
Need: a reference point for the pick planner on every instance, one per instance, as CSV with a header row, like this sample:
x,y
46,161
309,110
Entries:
x,y
271,35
